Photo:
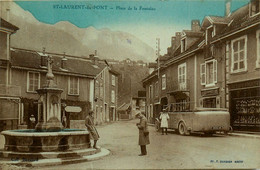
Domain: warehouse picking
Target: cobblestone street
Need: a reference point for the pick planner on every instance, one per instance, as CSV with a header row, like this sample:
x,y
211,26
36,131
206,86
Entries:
x,y
169,151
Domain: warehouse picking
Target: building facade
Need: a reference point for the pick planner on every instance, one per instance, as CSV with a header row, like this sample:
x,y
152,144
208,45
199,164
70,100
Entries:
x,y
9,93
215,65
239,42
24,71
106,95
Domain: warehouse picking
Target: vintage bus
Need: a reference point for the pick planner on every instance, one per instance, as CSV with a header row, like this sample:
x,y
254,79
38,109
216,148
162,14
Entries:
x,y
206,120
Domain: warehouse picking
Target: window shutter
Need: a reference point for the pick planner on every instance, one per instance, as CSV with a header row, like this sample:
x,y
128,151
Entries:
x,y
215,71
201,103
203,74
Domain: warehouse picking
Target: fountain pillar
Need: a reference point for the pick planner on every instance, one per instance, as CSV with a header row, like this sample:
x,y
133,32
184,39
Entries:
x,y
49,110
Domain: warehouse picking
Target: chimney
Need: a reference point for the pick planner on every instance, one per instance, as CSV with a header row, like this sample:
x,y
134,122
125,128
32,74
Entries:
x,y
228,7
63,61
178,39
94,58
43,58
173,41
195,25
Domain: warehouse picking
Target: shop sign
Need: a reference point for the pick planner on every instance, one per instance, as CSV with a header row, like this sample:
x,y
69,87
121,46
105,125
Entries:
x,y
73,109
211,92
253,83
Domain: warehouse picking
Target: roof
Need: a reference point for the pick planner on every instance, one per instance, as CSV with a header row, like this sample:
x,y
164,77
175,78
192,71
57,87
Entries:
x,y
124,107
154,73
209,20
5,24
113,71
194,47
73,65
190,33
219,19
238,20
152,65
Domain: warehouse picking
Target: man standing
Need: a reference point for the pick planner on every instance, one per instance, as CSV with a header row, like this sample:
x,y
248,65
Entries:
x,y
143,133
89,122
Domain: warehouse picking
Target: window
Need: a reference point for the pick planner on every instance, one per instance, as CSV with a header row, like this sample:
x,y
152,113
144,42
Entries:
x,y
239,58
258,48
113,80
33,81
254,7
101,89
208,73
97,88
163,82
210,102
151,111
182,76
156,87
213,31
183,45
113,96
150,91
73,85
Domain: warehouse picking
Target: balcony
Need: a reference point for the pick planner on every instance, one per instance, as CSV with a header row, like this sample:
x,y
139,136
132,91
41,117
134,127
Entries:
x,y
182,85
10,90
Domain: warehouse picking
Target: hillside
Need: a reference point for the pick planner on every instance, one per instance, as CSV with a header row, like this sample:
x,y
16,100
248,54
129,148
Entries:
x,y
66,37
130,81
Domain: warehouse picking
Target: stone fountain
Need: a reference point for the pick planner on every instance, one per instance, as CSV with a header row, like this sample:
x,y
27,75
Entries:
x,y
49,138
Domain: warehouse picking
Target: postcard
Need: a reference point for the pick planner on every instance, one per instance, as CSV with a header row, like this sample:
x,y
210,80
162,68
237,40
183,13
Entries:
x,y
131,84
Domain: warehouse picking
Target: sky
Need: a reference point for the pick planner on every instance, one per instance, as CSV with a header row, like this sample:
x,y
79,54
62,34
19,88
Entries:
x,y
145,19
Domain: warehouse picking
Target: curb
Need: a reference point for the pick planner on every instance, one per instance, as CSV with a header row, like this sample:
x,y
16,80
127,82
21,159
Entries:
x,y
244,135
59,161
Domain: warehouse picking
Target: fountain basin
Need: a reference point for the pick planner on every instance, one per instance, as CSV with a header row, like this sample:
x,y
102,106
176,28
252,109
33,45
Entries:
x,y
31,140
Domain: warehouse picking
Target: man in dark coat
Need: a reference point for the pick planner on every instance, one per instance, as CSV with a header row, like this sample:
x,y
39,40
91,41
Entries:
x,y
143,133
89,122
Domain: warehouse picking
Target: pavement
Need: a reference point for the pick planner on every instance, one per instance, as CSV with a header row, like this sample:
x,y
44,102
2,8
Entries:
x,y
246,134
170,151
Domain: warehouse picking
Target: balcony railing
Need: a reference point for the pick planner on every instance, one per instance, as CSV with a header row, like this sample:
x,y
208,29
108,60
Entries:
x,y
10,90
180,107
180,85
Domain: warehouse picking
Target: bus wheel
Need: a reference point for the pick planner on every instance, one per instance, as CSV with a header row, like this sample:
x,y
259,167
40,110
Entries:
x,y
182,128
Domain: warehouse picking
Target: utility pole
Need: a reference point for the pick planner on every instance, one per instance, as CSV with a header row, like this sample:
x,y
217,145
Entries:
x,y
158,69
158,55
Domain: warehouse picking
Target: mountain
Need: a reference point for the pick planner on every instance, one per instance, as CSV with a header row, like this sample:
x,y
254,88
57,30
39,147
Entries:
x,y
66,37
130,81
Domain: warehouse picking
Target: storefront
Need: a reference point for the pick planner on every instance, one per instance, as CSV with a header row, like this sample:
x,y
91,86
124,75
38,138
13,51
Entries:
x,y
210,98
245,105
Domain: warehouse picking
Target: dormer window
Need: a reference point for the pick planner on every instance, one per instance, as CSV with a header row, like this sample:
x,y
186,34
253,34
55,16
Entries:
x,y
213,31
209,33
63,61
183,44
44,57
254,7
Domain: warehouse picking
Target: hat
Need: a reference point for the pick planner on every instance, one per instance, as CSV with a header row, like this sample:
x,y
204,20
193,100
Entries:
x,y
137,113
